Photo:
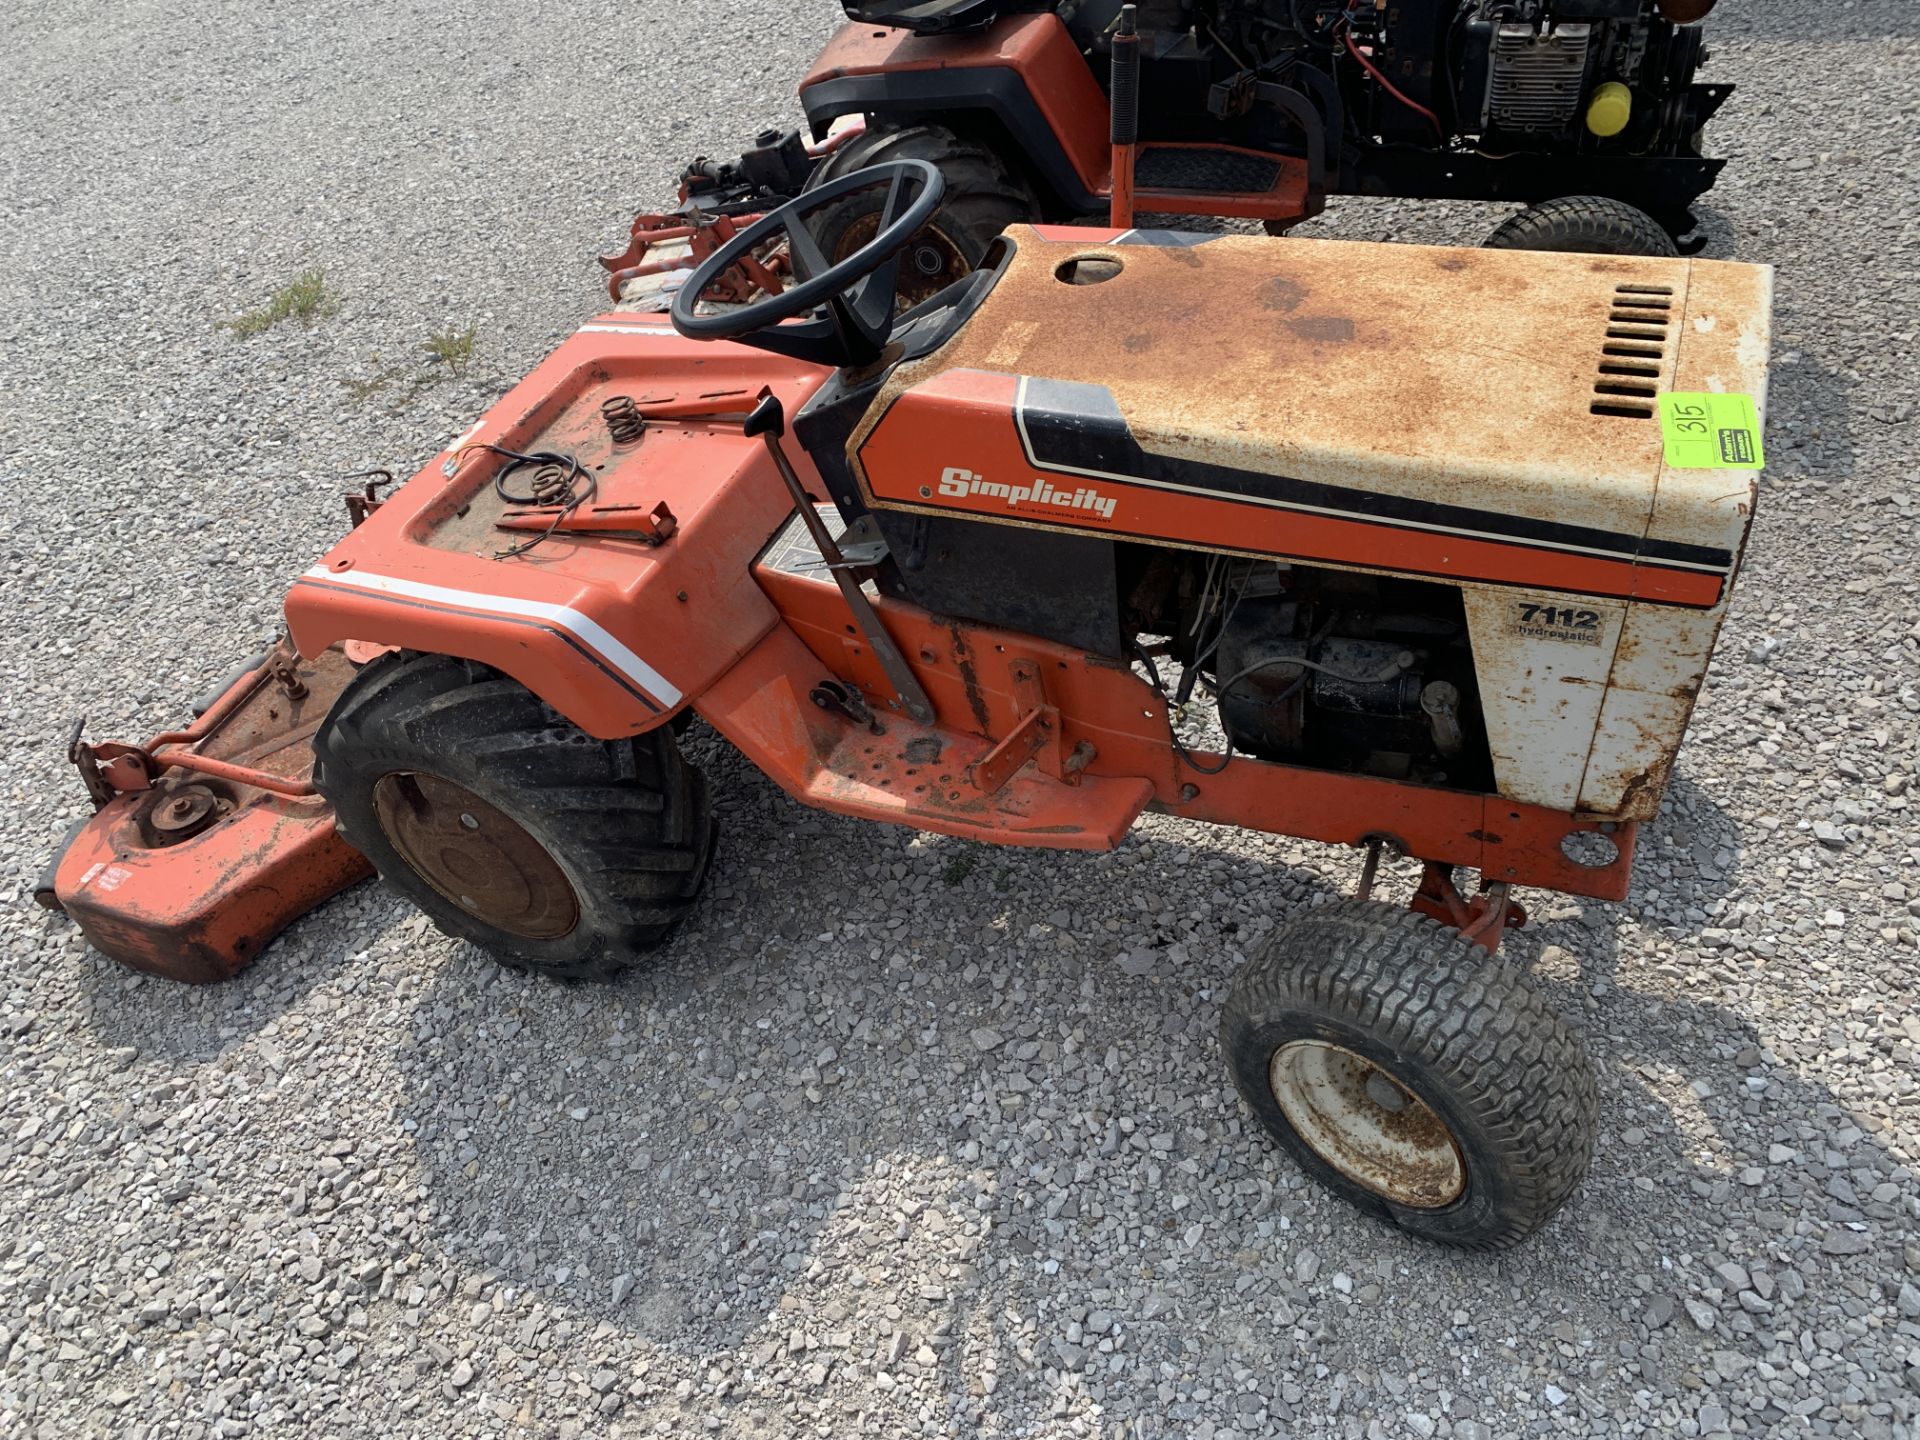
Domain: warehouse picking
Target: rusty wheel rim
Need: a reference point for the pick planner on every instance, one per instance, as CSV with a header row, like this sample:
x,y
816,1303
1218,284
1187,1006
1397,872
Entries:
x,y
1366,1124
474,856
929,264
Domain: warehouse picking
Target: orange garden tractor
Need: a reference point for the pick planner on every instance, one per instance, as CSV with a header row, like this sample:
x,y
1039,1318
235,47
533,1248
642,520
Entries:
x,y
1449,567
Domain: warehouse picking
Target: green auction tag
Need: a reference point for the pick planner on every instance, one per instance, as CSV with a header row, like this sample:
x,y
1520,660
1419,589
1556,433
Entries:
x,y
1711,432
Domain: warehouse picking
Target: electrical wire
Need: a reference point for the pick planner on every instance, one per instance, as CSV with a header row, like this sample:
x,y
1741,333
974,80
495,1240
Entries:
x,y
1194,765
1316,39
1200,660
1153,670
1398,666
1190,672
567,492
1388,86
1206,596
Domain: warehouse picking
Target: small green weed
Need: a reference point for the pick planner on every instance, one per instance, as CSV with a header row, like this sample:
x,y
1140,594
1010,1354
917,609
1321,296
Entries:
x,y
958,869
452,348
374,383
304,298
448,353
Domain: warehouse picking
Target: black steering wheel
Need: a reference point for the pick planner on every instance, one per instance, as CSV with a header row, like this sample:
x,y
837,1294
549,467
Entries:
x,y
857,293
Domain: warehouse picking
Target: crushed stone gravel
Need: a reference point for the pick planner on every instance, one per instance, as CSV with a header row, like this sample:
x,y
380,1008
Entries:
x,y
904,1136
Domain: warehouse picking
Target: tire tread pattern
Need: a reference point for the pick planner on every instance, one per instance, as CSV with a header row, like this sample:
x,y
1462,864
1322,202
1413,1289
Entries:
x,y
1477,1024
627,820
1586,225
983,196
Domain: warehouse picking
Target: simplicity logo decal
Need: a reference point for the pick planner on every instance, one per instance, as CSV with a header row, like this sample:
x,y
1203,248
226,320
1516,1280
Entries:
x,y
959,482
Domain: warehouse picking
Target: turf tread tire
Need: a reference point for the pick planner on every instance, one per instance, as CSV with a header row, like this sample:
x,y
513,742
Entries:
x,y
1584,225
627,821
1472,1034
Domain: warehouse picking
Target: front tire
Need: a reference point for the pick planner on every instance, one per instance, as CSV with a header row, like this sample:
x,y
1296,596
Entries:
x,y
1423,1080
1584,225
507,824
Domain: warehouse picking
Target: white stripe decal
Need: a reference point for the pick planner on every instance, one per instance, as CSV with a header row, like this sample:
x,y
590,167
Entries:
x,y
1623,557
562,617
638,328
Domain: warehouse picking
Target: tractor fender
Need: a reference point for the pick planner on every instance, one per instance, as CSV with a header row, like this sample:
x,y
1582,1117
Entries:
x,y
617,634
1021,85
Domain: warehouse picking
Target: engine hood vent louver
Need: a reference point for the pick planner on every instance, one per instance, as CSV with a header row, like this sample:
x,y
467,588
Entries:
x,y
1639,330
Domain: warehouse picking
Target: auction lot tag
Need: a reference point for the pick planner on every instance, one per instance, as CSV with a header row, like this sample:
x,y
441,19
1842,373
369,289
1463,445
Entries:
x,y
1711,432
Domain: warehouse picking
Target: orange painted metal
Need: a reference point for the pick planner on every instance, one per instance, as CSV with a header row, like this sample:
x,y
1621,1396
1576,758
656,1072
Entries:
x,y
1041,51
992,770
616,634
202,909
1120,191
198,903
1037,47
910,775
703,235
1288,198
968,415
238,774
1115,721
705,230
1485,919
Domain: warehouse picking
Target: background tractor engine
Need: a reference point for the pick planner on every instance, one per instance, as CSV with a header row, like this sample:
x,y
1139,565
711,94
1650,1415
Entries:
x,y
1536,73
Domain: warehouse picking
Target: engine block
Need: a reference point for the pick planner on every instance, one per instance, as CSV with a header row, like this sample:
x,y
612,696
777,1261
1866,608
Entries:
x,y
1537,76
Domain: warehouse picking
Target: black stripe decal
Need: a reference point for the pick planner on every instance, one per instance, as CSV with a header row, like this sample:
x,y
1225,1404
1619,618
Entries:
x,y
1073,427
1267,553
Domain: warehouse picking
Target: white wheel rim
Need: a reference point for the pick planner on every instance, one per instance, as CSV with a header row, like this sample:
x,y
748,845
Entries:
x,y
1362,1121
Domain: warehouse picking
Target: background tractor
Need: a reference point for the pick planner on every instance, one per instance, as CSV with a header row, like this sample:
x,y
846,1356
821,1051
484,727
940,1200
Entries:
x,y
1257,110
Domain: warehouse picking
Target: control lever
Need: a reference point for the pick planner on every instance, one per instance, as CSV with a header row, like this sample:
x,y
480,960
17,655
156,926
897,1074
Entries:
x,y
768,420
1123,130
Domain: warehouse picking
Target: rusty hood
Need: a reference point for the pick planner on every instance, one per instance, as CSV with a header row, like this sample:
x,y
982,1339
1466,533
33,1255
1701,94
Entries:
x,y
1509,382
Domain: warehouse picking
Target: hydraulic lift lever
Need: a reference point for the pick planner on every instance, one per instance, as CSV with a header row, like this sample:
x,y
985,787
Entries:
x,y
769,421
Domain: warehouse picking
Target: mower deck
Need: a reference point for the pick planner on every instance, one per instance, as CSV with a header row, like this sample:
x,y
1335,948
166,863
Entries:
x,y
211,840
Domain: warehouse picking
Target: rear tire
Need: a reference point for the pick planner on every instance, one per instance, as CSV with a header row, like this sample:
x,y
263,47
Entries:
x,y
1420,1078
1584,225
507,824
984,196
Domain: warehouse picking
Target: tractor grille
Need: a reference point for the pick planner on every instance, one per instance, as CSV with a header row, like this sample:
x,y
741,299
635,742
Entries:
x,y
1538,76
1639,330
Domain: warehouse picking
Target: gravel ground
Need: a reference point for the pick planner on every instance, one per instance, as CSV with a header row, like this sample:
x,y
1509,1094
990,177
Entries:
x,y
903,1136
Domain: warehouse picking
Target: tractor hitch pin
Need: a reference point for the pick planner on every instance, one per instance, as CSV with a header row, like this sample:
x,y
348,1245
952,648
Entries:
x,y
769,421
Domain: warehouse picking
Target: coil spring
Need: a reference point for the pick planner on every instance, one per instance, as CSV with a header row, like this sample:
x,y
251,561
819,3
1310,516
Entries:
x,y
624,420
551,484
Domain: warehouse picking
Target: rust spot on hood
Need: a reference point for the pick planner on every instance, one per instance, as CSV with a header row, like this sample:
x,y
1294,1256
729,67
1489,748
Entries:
x,y
1283,294
1327,329
1640,796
